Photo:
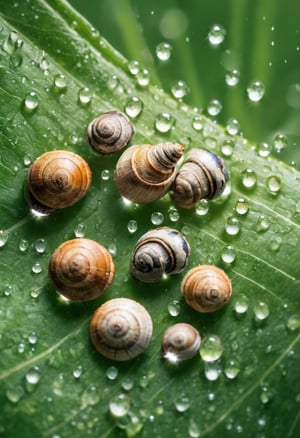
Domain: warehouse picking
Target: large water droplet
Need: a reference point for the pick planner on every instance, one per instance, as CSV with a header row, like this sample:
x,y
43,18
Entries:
x,y
227,148
232,369
214,107
174,215
280,142
216,35
33,376
127,383
228,254
264,149
174,308
157,218
23,245
198,122
37,268
132,226
242,206
261,311
134,67
241,304
143,77
182,403
164,122
180,89
60,83
134,107
84,96
33,338
80,230
112,373
119,405
256,91
91,396
232,226
10,44
211,348
31,101
232,78
273,184
212,370
40,246
249,178
202,207
163,51
233,127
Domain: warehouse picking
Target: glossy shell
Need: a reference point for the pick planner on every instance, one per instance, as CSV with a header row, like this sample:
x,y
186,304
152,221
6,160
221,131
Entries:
x,y
145,173
202,176
81,269
180,342
110,132
58,179
160,251
121,329
206,288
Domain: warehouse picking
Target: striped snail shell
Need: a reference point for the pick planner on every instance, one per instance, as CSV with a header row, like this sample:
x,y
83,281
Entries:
x,y
202,176
144,173
110,132
121,329
59,179
206,288
81,269
159,251
180,342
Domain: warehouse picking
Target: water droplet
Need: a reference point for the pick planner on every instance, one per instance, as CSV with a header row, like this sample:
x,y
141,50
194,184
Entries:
x,y
144,381
241,304
133,67
265,395
36,268
60,83
91,396
280,142
127,383
202,207
157,218
174,215
232,226
228,254
193,430
16,60
163,51
214,107
44,64
174,308
227,148
212,370
198,123
21,348
77,372
112,248
273,184
256,91
232,369
262,224
164,122
33,376
33,338
261,311
15,394
112,373
31,101
119,405
293,322
182,403
249,178
180,89
134,107
132,226
27,160
143,77
211,348
80,230
40,246
275,243
7,290
242,206
264,149
113,82
35,292
10,44
232,78
105,174
84,96
216,35
3,237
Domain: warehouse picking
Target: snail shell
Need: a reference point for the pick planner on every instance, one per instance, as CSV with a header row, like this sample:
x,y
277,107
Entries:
x,y
144,173
121,329
180,342
110,132
59,179
202,176
206,288
159,251
81,269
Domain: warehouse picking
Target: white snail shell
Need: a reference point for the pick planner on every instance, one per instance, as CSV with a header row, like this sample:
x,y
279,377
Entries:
x,y
159,251
206,288
180,342
110,132
121,329
203,175
144,173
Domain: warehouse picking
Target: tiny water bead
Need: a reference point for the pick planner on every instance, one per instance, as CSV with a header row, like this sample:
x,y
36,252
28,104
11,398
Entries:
x,y
60,83
256,91
127,383
36,268
134,107
273,183
233,127
242,206
112,373
214,107
105,175
33,338
33,376
163,51
3,237
211,348
228,254
264,149
202,207
174,308
198,122
265,395
275,242
249,178
119,405
164,122
77,372
40,246
15,394
133,67
193,429
143,77
112,82
216,35
27,160
7,290
227,148
232,369
174,215
182,403
280,142
157,218
232,78
80,230
90,397
262,224
84,96
31,101
293,323
180,89
232,226
241,305
132,226
212,370
261,311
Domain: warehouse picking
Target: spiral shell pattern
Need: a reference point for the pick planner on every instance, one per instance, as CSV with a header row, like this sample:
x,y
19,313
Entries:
x,y
121,329
110,132
159,251
81,269
180,342
59,179
206,288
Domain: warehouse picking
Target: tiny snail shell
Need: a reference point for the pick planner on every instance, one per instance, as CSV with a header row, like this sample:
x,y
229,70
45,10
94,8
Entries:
x,y
206,288
159,251
58,179
81,269
202,176
110,132
180,342
144,173
121,329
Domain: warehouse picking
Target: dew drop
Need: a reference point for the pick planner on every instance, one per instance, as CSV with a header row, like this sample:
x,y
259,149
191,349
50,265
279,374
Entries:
x,y
60,83
40,246
212,370
90,396
261,311
84,96
182,403
31,101
202,207
233,127
33,338
144,381
280,142
265,395
77,372
133,67
27,160
157,218
256,91
35,292
264,149
80,230
198,123
36,268
21,348
105,175
33,376
3,237
231,369
113,82
249,178
242,206
228,254
241,304
163,51
193,430
275,243
15,394
216,35
232,226
134,107
164,122
273,184
7,290
127,383
227,148
214,107
174,215
112,248
232,78
132,226
174,308
179,89
143,77
211,348
293,323
119,405
10,44
262,224
44,64
112,373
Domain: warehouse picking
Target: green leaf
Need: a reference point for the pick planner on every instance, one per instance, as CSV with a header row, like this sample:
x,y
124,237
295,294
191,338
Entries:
x,y
53,382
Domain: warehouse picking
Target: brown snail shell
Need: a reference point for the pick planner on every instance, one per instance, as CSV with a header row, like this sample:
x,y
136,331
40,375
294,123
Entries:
x,y
159,251
110,132
203,175
180,342
206,288
58,179
121,329
144,173
81,269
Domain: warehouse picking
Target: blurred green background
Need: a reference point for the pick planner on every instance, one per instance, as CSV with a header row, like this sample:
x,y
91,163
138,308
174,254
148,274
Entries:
x,y
262,42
